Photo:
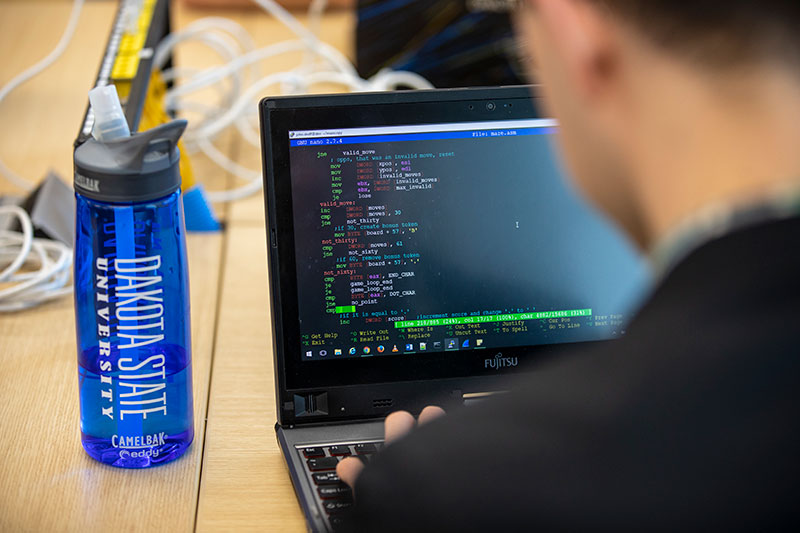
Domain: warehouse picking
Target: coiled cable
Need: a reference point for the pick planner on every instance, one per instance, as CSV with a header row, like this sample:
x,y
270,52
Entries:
x,y
24,288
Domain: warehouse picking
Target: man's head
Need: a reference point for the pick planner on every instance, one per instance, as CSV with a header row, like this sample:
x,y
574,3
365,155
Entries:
x,y
715,33
633,81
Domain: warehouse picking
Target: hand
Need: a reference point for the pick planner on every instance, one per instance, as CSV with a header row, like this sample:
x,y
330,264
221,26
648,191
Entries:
x,y
397,424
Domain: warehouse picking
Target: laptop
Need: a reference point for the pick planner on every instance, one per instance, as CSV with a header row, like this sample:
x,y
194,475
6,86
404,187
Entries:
x,y
423,247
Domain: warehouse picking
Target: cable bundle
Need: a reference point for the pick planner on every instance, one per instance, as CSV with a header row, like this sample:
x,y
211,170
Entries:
x,y
240,82
20,249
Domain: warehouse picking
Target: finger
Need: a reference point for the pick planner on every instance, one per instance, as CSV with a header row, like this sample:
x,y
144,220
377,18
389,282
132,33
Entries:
x,y
349,469
398,424
430,413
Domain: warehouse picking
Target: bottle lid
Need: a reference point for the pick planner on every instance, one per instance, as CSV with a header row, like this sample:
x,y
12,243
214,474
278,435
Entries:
x,y
138,168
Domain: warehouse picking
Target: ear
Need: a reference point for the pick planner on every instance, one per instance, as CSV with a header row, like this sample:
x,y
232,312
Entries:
x,y
584,38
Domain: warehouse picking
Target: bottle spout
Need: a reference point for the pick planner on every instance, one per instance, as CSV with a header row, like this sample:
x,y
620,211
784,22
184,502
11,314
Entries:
x,y
109,121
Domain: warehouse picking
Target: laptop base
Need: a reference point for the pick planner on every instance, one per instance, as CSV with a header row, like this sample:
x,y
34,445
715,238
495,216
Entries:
x,y
293,442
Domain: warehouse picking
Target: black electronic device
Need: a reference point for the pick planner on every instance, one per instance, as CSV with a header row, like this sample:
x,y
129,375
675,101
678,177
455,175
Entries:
x,y
422,245
128,58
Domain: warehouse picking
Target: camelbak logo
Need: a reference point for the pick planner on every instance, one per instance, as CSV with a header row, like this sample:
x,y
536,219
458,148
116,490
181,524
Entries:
x,y
500,362
87,183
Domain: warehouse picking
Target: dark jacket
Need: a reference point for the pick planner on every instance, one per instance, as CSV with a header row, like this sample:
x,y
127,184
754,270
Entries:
x,y
688,422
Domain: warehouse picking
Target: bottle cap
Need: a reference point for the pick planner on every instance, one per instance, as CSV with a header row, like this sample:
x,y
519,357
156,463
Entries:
x,y
138,168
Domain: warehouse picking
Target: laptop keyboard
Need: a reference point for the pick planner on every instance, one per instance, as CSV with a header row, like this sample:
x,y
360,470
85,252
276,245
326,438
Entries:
x,y
332,495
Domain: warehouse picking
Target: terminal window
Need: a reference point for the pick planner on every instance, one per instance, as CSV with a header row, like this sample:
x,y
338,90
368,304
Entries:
x,y
449,237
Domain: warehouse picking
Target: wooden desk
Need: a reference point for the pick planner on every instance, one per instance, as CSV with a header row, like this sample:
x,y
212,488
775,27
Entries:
x,y
233,478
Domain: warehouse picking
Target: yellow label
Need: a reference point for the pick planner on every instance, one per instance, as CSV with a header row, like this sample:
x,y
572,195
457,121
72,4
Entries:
x,y
125,67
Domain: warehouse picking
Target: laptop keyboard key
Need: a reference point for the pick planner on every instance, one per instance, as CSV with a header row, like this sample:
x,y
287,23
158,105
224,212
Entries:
x,y
322,463
362,449
335,497
336,506
340,450
340,523
326,478
335,492
313,452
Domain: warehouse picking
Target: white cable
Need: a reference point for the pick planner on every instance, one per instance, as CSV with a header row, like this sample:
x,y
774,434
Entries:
x,y
227,163
21,78
33,287
251,175
315,12
217,74
229,116
226,48
27,234
205,24
247,131
389,80
235,194
280,13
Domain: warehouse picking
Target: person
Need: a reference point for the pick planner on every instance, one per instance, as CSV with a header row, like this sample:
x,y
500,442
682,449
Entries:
x,y
681,121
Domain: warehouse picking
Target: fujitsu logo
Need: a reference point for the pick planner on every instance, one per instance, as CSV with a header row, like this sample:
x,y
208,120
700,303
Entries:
x,y
500,362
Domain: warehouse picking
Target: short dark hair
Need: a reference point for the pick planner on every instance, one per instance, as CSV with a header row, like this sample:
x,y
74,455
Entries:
x,y
722,32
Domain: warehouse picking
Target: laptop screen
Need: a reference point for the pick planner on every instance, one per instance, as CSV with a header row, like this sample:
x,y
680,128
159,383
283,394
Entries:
x,y
446,238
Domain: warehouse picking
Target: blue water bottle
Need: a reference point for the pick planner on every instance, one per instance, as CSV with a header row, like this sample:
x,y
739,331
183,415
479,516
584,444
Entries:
x,y
132,298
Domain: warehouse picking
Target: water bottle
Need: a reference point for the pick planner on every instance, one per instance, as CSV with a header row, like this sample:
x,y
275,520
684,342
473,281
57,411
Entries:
x,y
131,294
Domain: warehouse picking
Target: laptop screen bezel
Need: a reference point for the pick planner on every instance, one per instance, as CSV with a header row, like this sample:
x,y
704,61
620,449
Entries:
x,y
281,115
